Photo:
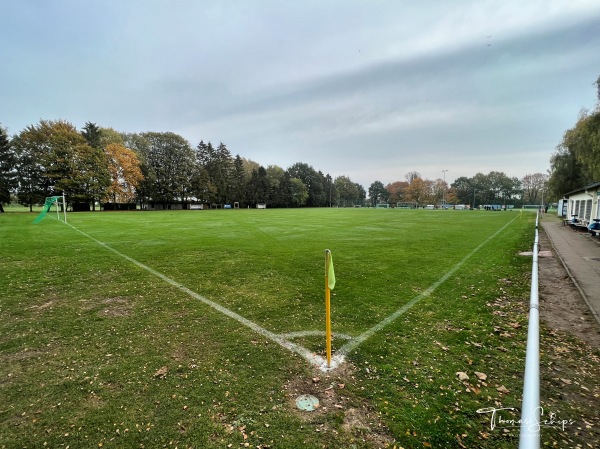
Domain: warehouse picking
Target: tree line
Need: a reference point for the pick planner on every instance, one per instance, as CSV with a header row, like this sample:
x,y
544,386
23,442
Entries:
x,y
100,165
576,160
492,188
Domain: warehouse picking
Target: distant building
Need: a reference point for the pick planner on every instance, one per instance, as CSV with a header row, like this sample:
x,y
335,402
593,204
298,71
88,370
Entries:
x,y
583,203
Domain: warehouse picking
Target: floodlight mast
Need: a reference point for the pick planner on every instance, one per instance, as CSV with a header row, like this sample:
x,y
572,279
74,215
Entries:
x,y
444,188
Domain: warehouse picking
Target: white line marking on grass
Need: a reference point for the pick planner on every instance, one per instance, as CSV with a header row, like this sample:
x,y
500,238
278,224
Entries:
x,y
314,333
357,341
312,358
339,357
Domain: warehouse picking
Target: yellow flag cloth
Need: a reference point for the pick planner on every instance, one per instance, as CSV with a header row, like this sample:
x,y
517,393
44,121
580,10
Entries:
x,y
330,273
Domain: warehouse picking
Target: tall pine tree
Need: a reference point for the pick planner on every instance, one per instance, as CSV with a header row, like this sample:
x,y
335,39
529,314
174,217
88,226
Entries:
x,y
8,175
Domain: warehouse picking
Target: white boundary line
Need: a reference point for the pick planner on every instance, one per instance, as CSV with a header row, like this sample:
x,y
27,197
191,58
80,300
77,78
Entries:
x,y
293,347
357,341
282,339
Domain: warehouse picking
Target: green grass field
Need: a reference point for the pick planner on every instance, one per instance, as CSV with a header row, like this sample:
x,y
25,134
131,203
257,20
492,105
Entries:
x,y
109,338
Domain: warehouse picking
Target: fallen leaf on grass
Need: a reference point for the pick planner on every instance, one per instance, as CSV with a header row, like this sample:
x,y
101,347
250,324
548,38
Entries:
x,y
460,443
481,376
567,381
474,389
445,348
503,389
462,375
161,372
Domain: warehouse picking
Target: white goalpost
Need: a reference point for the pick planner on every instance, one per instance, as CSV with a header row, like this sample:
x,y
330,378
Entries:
x,y
53,200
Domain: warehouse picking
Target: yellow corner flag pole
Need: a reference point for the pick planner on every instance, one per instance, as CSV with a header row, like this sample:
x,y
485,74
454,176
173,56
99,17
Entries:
x,y
329,285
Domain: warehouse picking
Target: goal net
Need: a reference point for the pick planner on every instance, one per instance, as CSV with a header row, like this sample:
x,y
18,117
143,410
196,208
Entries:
x,y
50,201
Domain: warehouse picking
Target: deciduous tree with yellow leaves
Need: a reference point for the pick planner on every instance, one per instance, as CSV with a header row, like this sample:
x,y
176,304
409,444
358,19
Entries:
x,y
125,174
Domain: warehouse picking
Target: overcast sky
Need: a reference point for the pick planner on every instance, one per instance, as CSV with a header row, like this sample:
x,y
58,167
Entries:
x,y
367,89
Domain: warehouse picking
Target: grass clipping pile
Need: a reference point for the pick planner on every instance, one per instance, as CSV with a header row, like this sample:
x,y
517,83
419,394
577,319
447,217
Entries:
x,y
570,358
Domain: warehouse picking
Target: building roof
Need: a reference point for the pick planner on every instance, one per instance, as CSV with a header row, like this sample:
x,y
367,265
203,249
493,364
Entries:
x,y
591,186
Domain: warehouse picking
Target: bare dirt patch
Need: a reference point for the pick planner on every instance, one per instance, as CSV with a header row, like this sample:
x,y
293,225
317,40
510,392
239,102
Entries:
x,y
27,354
561,305
570,358
110,307
45,305
116,307
51,303
359,419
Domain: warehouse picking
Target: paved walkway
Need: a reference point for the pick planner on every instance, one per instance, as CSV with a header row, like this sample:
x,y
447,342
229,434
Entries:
x,y
581,258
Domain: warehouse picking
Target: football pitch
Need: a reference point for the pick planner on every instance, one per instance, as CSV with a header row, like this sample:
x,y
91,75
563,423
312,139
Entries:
x,y
199,328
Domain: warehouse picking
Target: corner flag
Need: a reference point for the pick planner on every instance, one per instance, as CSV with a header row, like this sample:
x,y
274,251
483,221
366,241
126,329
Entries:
x,y
329,284
330,273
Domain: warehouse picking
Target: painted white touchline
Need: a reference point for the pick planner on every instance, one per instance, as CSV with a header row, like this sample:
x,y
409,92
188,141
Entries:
x,y
312,358
357,341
